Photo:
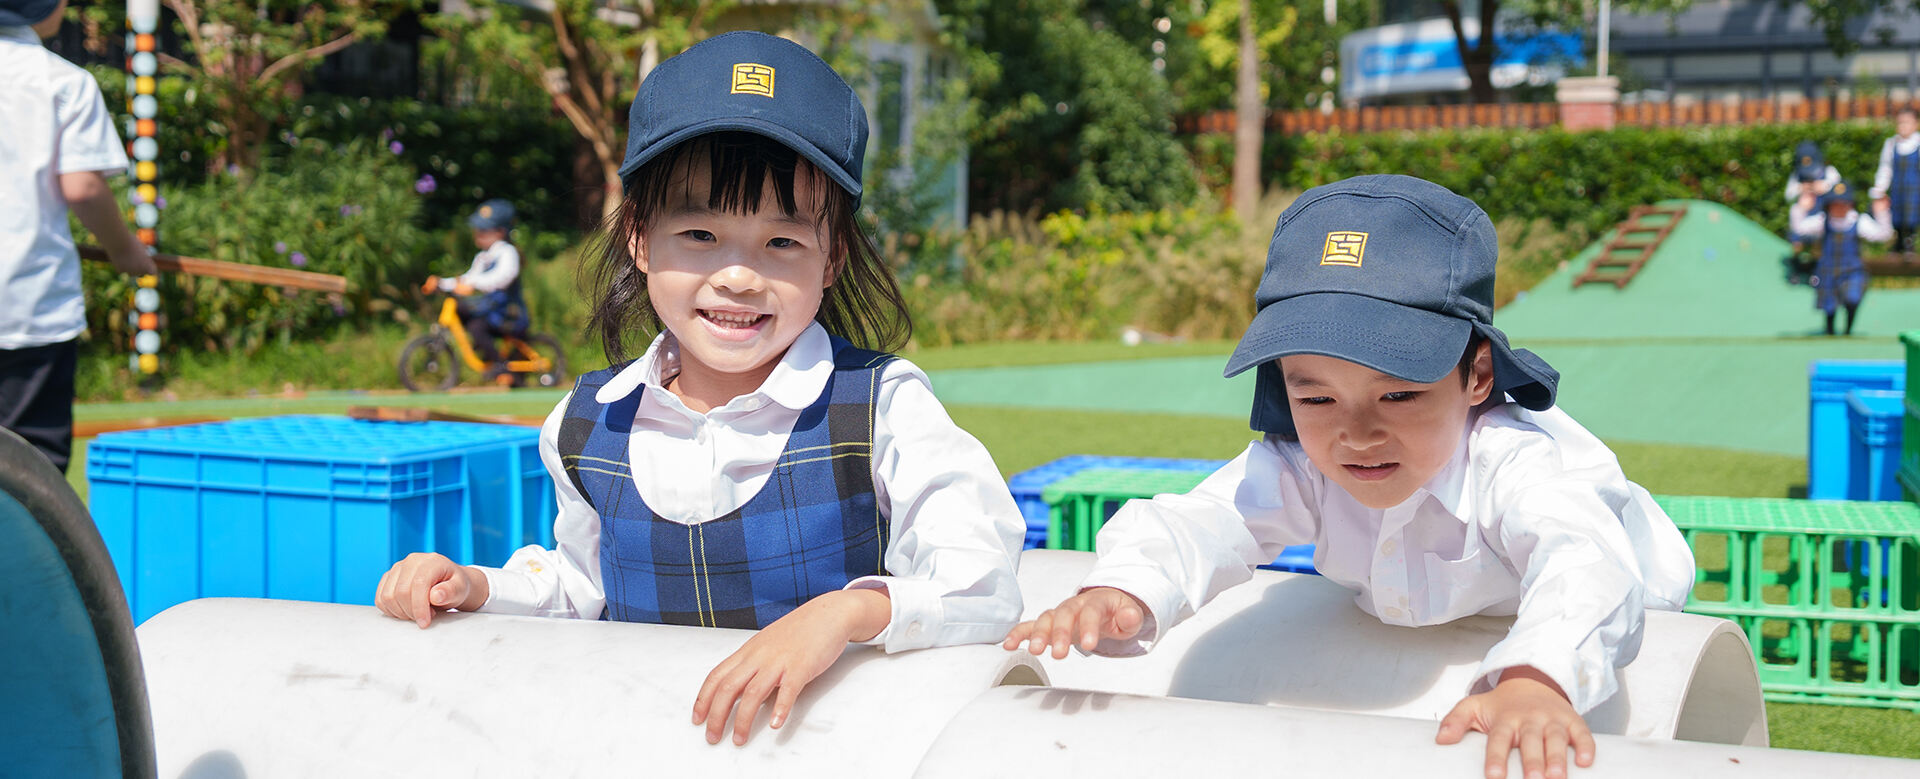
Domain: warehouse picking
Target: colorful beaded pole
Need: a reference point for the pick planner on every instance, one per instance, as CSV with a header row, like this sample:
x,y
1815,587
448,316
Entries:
x,y
143,18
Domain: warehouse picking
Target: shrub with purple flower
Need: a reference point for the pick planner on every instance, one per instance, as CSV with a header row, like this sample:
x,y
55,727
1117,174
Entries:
x,y
425,184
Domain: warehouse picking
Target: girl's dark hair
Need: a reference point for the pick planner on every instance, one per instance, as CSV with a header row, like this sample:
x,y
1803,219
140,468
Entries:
x,y
864,304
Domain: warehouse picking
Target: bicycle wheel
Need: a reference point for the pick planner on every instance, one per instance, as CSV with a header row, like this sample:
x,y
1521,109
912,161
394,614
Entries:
x,y
549,347
428,364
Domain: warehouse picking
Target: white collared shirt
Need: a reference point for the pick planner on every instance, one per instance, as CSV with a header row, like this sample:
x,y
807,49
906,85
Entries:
x,y
1812,223
493,269
56,122
1532,517
1883,175
1794,186
956,533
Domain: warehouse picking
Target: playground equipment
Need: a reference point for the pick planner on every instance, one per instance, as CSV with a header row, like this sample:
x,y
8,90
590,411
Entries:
x,y
1296,640
432,361
69,671
1634,242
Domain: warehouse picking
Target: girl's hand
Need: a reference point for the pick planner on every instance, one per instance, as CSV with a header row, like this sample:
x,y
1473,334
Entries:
x,y
1097,613
786,656
424,583
1526,710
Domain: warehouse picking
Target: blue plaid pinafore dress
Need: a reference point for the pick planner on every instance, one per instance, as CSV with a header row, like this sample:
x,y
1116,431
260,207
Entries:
x,y
815,525
1840,276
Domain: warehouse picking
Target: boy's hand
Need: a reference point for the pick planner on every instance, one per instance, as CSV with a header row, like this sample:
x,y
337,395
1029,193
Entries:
x,y
1807,198
425,583
1086,618
1528,711
430,285
462,288
786,656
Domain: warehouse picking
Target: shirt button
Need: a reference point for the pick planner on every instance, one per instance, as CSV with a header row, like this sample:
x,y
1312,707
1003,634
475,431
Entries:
x,y
1389,548
914,630
1391,612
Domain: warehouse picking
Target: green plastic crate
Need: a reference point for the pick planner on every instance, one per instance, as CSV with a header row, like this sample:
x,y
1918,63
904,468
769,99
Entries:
x,y
1078,505
1828,592
1909,473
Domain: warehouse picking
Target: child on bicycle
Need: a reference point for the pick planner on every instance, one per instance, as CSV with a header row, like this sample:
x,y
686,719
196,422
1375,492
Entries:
x,y
491,303
757,467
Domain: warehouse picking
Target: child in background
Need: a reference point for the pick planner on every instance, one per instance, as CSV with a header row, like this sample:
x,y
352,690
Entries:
x,y
755,468
1896,183
1840,277
1426,461
491,303
58,143
1811,173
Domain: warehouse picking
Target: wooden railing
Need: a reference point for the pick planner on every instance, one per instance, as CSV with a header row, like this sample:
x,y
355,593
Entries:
x,y
1377,118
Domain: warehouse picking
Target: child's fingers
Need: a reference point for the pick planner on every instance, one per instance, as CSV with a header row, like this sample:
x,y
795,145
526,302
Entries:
x,y
1532,751
380,593
749,709
449,593
1499,744
1060,636
1453,727
703,703
783,702
1016,635
1126,622
1583,747
1037,635
1556,750
419,590
723,698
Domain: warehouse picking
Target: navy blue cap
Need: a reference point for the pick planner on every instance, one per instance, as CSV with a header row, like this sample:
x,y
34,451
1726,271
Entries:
x,y
1840,193
1808,163
1390,272
25,13
757,83
495,214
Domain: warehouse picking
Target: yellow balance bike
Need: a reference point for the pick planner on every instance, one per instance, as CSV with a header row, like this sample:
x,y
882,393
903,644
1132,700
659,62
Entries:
x,y
432,361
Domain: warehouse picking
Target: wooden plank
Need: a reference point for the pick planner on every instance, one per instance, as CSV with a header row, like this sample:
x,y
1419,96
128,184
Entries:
x,y
235,271
91,428
419,414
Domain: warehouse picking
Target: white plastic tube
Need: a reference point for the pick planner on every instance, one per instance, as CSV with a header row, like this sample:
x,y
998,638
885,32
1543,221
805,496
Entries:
x,y
1300,641
1033,732
257,688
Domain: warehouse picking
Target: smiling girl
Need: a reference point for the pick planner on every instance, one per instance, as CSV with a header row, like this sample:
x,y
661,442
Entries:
x,y
757,467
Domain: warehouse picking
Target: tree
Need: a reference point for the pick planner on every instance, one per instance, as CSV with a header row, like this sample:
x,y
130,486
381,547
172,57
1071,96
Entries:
x,y
249,55
1242,33
1478,55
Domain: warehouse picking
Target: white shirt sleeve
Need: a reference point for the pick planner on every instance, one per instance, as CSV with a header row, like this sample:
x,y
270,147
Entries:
x,y
1560,530
563,581
1176,552
86,140
956,532
1871,229
1808,222
1883,175
492,269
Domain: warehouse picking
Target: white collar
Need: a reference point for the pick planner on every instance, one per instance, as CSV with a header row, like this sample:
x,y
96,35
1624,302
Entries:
x,y
796,381
19,34
1448,486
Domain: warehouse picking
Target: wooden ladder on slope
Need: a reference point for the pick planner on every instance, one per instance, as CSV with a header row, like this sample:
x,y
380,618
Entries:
x,y
1632,245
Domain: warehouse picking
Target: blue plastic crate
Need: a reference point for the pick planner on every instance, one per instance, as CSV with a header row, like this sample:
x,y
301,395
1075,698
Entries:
x,y
1874,419
1028,484
309,508
1294,559
1829,450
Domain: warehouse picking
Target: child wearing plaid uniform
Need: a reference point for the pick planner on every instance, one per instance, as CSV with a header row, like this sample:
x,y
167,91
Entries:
x,y
759,466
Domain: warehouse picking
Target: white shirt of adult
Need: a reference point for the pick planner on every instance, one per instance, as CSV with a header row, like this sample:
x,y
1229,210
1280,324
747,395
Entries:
x,y
1813,224
1830,178
956,533
493,269
56,122
1532,517
1883,175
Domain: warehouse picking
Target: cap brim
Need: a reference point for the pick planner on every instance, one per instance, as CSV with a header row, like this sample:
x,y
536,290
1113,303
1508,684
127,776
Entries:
x,y
1407,343
789,138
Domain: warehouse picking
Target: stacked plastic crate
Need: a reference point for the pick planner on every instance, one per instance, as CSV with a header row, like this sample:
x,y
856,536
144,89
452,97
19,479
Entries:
x,y
309,508
1828,592
1853,428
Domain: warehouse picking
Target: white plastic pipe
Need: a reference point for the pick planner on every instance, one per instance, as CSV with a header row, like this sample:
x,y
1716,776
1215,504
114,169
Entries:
x,y
260,688
1052,732
1300,641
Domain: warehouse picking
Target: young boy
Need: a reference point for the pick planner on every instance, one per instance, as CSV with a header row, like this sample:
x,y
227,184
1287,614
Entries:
x,y
491,288
1896,184
1840,277
1811,173
1425,459
56,141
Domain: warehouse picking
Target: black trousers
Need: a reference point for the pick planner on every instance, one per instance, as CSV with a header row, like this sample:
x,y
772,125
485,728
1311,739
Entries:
x,y
36,397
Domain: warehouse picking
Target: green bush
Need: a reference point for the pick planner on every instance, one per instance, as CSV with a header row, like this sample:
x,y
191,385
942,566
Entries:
x,y
1590,179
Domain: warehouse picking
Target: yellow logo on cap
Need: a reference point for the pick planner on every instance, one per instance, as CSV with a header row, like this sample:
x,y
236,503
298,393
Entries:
x,y
1839,189
1344,247
486,212
1806,160
752,79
